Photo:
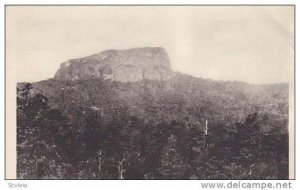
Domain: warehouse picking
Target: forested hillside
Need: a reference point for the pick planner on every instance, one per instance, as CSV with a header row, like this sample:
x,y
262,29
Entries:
x,y
180,128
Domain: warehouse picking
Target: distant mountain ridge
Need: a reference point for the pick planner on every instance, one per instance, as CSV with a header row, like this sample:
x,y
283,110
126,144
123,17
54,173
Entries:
x,y
120,65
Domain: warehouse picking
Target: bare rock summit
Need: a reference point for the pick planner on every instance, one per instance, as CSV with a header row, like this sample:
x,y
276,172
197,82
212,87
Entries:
x,y
120,65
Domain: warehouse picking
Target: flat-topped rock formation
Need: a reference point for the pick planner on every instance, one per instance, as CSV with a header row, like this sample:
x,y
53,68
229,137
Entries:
x,y
121,65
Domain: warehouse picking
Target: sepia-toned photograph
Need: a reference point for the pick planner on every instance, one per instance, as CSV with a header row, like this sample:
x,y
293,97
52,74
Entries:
x,y
150,92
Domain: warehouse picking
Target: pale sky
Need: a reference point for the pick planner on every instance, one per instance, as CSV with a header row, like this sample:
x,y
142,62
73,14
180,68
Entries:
x,y
247,43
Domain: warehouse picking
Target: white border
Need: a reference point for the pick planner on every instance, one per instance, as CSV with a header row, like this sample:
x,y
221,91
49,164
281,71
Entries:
x,y
133,184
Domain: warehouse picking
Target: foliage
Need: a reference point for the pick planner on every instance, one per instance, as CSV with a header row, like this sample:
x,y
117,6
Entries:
x,y
97,129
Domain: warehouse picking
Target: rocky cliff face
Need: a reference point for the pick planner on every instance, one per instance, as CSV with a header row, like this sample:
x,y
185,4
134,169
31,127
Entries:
x,y
121,65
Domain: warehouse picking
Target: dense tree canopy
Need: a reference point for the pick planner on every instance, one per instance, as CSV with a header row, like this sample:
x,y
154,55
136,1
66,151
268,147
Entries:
x,y
98,129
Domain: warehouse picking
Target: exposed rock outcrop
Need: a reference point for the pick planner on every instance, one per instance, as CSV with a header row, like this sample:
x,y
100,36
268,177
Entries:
x,y
121,65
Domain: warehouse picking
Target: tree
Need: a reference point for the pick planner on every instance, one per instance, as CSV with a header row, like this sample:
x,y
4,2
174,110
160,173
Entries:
x,y
37,154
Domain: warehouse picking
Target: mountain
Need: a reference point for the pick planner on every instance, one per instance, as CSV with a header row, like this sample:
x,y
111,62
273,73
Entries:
x,y
124,114
120,65
142,80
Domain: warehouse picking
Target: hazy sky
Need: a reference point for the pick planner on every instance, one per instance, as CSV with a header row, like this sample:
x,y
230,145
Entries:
x,y
252,44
